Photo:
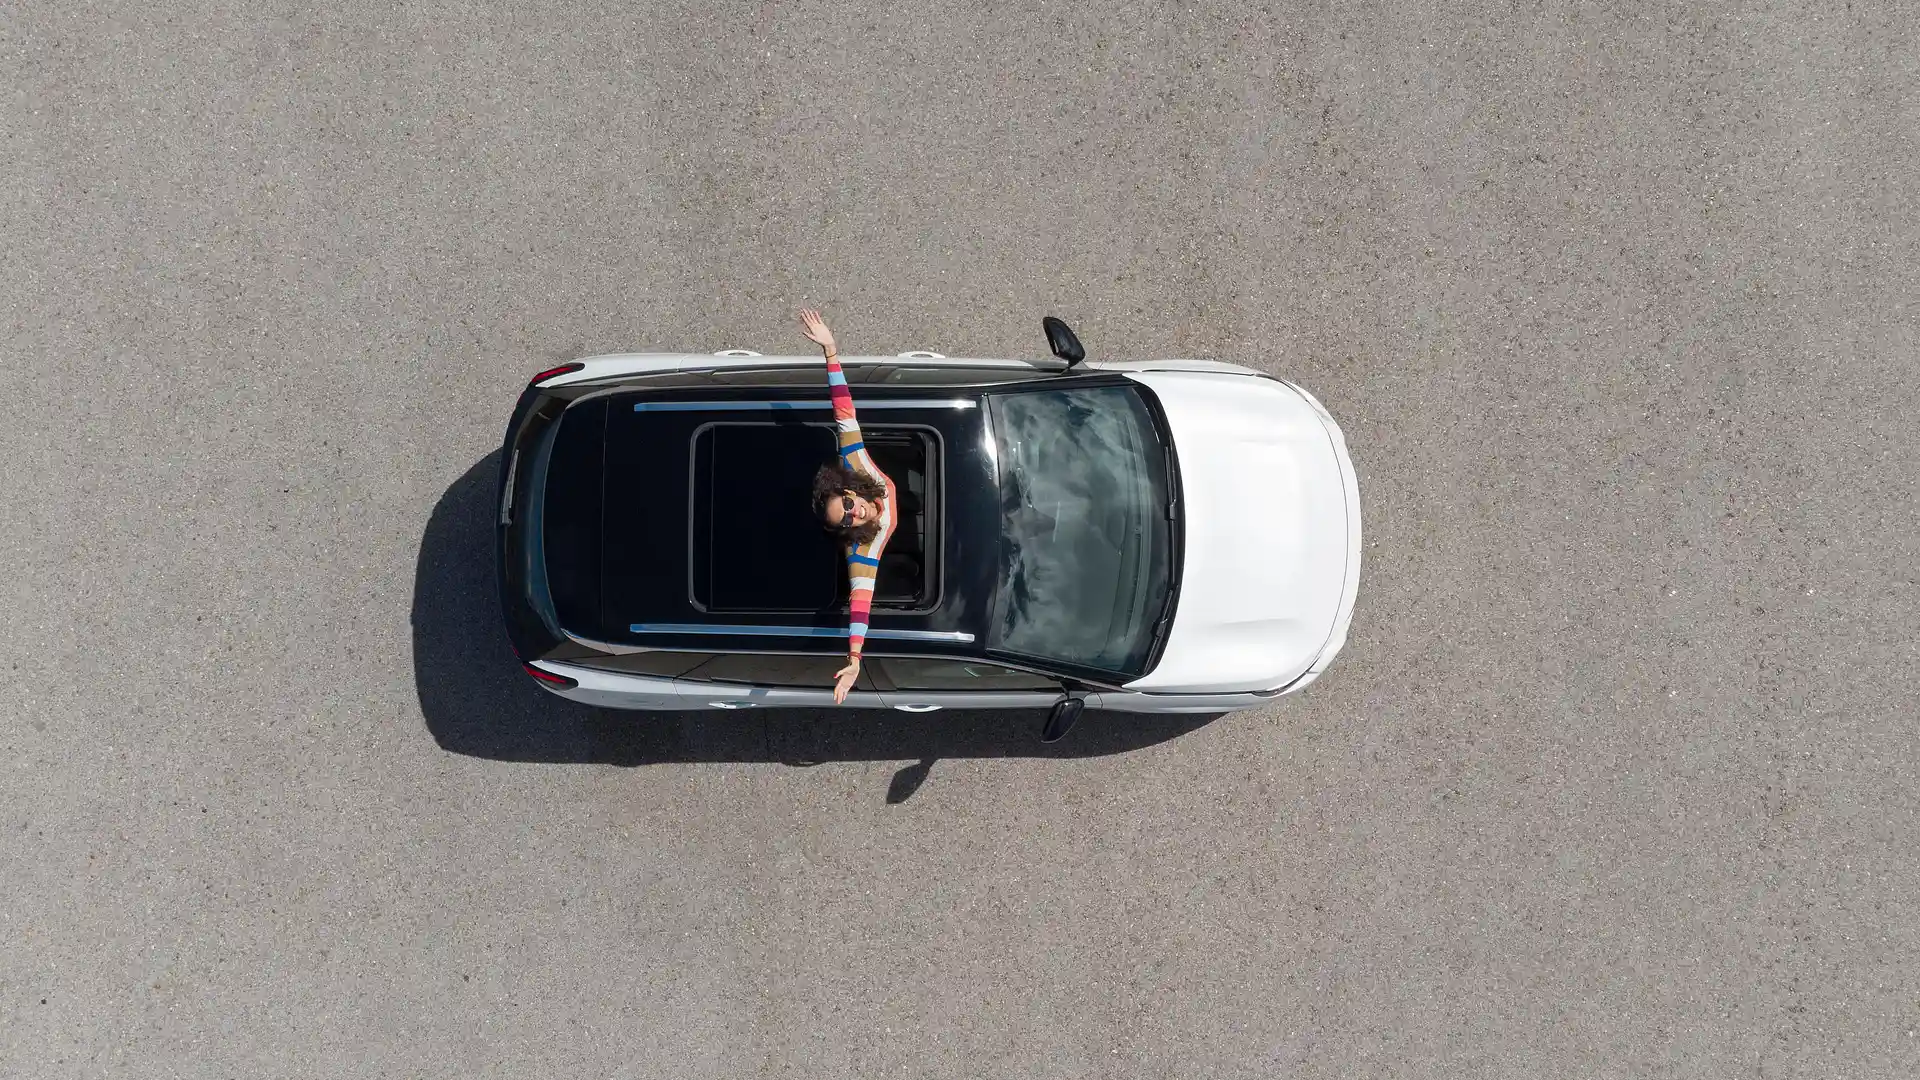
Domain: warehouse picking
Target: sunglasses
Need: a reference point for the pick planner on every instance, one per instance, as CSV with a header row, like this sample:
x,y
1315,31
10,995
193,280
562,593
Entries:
x,y
846,514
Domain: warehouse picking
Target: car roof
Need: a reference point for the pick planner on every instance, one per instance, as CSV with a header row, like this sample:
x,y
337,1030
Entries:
x,y
751,453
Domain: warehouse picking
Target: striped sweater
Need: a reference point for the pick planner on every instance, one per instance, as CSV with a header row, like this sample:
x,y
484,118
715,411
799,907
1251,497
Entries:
x,y
863,561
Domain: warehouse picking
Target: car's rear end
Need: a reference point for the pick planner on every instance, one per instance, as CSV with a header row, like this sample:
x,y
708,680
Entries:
x,y
548,528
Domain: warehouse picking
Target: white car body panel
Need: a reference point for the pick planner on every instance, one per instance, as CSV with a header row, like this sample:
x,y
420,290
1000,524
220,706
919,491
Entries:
x,y
618,365
1171,365
1131,701
1272,533
617,690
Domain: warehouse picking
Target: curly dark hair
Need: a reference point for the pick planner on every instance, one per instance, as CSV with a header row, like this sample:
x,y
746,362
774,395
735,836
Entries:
x,y
828,484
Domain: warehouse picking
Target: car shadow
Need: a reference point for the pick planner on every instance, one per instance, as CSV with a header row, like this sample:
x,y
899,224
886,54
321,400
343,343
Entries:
x,y
477,700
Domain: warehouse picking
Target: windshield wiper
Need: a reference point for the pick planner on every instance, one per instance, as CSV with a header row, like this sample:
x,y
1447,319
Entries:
x,y
506,500
1173,486
1164,624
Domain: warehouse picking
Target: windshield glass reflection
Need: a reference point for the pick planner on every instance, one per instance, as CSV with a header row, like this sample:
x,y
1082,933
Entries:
x,y
1086,544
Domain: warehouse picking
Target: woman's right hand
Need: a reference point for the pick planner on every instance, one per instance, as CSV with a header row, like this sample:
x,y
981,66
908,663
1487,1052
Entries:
x,y
815,327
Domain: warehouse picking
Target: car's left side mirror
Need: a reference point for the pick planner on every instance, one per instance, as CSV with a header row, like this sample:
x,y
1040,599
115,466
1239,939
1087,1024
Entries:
x,y
1061,340
1065,713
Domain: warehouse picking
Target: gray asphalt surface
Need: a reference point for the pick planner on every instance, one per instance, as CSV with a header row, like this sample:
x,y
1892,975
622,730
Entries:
x,y
1616,777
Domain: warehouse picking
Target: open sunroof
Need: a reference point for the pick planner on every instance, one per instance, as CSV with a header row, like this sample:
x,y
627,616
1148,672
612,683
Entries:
x,y
754,543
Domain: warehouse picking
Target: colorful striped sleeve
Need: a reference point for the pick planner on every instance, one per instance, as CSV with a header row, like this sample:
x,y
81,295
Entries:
x,y
853,447
863,562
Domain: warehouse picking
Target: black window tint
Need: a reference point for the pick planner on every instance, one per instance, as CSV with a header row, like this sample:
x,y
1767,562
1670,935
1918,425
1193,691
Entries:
x,y
773,669
909,567
920,673
570,509
757,545
662,663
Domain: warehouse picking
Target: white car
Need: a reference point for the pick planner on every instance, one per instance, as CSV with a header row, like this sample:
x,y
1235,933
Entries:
x,y
1168,536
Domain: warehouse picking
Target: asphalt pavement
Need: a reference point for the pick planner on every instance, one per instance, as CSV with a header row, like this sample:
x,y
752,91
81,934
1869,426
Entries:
x,y
1616,777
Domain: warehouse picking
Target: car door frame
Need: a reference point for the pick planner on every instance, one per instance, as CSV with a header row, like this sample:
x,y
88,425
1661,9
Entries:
x,y
1135,701
740,695
926,701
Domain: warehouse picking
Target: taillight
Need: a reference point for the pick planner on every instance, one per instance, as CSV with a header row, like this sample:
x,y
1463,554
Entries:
x,y
563,369
550,678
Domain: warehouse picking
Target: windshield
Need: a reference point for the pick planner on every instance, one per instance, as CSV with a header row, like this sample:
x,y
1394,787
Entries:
x,y
1086,553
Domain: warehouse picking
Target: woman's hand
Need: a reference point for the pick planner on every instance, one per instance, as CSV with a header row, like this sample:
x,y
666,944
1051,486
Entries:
x,y
815,327
843,680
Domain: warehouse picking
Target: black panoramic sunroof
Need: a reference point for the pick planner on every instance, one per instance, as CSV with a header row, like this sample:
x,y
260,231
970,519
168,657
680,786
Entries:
x,y
756,545
708,514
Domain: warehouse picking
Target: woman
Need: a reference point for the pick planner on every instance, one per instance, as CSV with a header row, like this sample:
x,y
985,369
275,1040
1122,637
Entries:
x,y
855,501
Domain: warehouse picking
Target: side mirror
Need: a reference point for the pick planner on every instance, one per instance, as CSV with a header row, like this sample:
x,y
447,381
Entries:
x,y
1065,712
1061,340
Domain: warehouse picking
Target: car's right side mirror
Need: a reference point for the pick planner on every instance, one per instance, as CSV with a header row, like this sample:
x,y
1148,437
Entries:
x,y
1061,340
1065,712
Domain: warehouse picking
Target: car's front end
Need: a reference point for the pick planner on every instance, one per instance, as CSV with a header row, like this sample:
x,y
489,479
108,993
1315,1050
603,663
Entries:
x,y
1350,582
1273,538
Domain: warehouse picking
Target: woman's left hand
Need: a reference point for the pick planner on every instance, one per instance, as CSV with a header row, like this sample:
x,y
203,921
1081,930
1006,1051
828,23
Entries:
x,y
815,327
843,680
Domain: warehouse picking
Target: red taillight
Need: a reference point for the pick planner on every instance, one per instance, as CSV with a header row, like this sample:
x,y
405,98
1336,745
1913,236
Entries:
x,y
550,678
563,369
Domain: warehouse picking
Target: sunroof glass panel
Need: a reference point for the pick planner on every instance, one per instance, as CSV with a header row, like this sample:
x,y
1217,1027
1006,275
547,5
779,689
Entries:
x,y
757,544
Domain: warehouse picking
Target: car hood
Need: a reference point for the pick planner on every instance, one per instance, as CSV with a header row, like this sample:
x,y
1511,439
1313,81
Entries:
x,y
1272,533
